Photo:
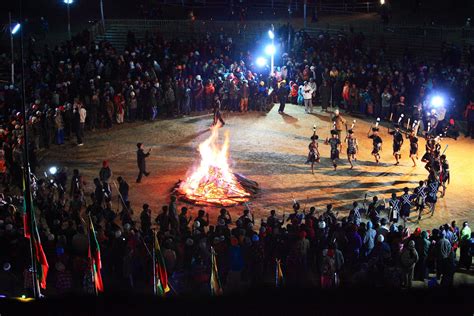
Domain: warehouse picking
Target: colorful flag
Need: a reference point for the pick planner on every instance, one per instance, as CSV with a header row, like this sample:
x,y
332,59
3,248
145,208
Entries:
x,y
42,266
160,275
94,257
29,226
216,288
278,273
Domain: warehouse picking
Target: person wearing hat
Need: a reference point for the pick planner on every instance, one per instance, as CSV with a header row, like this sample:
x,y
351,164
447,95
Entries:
x,y
408,259
313,155
376,143
413,146
397,142
141,156
336,147
352,146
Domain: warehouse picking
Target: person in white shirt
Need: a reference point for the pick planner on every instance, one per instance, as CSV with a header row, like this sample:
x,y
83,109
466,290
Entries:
x,y
81,119
307,97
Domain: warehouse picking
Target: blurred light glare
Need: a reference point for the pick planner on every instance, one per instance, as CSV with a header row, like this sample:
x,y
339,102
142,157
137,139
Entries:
x,y
68,1
437,101
270,49
16,28
261,62
271,34
382,2
53,170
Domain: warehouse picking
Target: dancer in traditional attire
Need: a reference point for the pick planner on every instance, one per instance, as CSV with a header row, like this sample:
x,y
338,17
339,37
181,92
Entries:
x,y
336,147
397,142
444,176
377,143
313,155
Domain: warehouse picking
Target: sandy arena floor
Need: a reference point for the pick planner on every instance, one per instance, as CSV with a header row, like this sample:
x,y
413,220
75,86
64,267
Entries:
x,y
270,149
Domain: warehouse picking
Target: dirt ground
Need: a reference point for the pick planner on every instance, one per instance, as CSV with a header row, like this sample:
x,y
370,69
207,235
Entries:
x,y
270,149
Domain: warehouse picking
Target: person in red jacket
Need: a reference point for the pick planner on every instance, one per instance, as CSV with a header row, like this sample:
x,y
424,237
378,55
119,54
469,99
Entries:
x,y
469,115
209,90
119,102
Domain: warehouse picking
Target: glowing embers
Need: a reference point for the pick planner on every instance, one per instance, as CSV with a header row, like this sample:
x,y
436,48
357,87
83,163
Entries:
x,y
213,182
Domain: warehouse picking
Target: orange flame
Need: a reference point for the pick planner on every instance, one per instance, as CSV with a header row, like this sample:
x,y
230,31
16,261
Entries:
x,y
214,182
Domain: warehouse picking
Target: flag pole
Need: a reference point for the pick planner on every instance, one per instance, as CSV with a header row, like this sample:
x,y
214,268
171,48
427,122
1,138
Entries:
x,y
26,166
154,263
92,259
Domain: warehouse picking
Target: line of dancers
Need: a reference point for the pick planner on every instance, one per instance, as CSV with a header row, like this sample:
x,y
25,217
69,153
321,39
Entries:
x,y
435,161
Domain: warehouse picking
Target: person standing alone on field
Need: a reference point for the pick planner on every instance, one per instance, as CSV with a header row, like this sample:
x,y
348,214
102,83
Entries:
x,y
141,156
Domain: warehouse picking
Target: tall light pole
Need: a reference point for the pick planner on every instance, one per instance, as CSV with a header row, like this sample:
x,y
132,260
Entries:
x,y
68,3
13,29
102,15
271,49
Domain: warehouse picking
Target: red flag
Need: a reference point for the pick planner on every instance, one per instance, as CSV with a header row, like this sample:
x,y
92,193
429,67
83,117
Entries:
x,y
94,257
42,266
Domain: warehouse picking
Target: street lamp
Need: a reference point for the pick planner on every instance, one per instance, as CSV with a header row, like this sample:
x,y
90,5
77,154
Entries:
x,y
68,3
261,62
271,34
14,28
270,49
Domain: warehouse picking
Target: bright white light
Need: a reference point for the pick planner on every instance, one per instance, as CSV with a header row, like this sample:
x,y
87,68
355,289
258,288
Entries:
x,y
271,34
270,49
261,62
53,170
382,2
437,101
16,28
68,1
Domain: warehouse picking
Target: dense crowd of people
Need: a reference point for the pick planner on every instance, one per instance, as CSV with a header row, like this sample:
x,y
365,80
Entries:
x,y
369,247
82,85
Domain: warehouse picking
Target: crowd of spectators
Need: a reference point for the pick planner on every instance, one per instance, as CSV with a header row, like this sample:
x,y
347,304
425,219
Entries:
x,y
315,247
82,85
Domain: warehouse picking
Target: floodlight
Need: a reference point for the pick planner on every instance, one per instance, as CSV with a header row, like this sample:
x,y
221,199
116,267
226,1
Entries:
x,y
271,34
270,49
16,28
437,101
261,62
52,170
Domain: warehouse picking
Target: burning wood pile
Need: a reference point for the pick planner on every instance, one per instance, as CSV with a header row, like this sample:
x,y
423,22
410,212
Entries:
x,y
213,182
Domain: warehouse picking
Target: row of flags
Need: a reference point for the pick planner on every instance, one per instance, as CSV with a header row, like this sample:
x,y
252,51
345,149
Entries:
x,y
160,276
39,260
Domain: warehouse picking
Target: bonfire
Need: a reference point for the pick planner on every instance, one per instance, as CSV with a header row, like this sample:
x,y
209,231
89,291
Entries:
x,y
213,182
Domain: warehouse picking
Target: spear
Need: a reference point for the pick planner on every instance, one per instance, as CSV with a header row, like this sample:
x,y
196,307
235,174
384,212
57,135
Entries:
x,y
400,118
378,122
391,116
353,124
445,148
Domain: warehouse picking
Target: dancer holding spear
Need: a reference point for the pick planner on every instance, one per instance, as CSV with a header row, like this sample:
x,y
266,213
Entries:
x,y
413,142
335,144
376,140
397,140
313,155
352,146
